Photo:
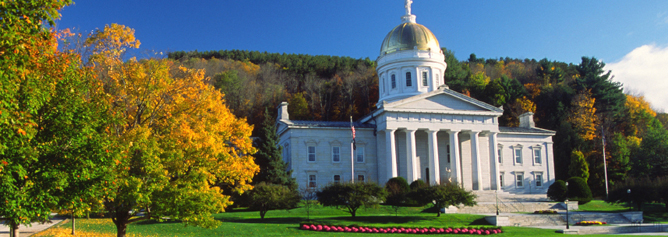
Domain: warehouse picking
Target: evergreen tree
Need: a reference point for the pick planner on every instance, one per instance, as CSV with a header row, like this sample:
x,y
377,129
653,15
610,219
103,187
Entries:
x,y
579,167
270,159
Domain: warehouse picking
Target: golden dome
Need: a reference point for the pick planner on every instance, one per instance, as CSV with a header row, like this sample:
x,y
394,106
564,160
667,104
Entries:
x,y
407,36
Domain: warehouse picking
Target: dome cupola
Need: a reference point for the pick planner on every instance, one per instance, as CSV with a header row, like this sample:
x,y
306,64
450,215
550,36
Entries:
x,y
411,61
409,36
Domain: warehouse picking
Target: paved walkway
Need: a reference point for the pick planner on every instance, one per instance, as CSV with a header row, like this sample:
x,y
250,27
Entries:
x,y
30,230
576,227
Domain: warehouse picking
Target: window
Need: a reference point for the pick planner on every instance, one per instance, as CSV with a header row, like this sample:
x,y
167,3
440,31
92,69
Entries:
x,y
500,154
409,82
447,152
501,179
311,153
425,82
360,178
286,156
336,154
518,155
311,181
359,153
394,81
337,179
536,156
539,179
519,182
383,83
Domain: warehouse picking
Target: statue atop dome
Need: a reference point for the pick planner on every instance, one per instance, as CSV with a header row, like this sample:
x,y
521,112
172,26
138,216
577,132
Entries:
x,y
407,5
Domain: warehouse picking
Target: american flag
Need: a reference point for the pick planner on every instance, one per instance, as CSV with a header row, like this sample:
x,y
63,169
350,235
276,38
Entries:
x,y
352,127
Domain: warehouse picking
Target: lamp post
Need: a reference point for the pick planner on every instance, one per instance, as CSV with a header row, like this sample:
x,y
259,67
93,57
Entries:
x,y
628,191
568,226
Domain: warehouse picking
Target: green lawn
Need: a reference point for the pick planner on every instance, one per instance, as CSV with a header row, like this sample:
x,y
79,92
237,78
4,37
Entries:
x,y
652,212
285,223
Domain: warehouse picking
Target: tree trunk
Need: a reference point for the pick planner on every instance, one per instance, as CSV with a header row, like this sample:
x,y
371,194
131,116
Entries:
x,y
121,228
262,212
13,230
73,227
439,213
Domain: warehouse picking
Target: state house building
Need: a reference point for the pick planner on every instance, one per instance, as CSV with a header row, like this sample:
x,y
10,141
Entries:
x,y
420,130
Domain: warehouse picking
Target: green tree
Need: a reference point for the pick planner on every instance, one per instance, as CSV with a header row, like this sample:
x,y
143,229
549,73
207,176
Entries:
x,y
608,94
265,197
397,190
51,144
444,195
557,191
273,169
651,159
620,156
351,196
549,72
579,190
578,167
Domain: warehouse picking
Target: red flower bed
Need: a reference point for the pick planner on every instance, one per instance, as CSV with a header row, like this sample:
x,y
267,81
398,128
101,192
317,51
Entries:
x,y
389,230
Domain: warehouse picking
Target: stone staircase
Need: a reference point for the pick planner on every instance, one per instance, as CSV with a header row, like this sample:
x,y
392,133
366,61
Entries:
x,y
489,201
518,209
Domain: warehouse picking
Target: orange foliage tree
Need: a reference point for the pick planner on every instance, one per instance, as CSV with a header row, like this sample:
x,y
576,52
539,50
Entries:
x,y
176,141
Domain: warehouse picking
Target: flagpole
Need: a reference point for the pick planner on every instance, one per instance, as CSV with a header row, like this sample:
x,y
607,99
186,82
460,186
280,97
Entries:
x,y
605,163
352,152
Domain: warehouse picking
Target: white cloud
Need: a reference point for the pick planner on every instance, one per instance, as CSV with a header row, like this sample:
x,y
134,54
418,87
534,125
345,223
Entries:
x,y
645,70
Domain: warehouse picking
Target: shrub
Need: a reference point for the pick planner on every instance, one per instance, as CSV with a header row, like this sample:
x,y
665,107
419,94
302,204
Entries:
x,y
351,195
443,195
417,184
578,190
265,197
557,191
397,189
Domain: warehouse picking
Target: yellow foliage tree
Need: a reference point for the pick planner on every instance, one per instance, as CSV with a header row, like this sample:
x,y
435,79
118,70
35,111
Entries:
x,y
640,115
582,116
176,141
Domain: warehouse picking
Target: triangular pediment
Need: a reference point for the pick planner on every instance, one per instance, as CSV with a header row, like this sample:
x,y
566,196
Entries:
x,y
443,100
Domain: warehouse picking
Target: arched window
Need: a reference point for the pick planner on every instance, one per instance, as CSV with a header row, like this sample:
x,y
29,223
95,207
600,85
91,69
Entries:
x,y
394,81
409,82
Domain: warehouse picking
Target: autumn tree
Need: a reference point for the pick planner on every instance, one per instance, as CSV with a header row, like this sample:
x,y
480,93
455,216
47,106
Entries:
x,y
174,140
51,144
583,115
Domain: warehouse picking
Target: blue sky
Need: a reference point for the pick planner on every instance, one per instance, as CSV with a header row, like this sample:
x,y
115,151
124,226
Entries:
x,y
558,30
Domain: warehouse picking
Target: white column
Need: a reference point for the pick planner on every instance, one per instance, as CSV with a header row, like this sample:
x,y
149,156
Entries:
x,y
455,165
411,164
391,159
434,164
494,155
475,157
549,160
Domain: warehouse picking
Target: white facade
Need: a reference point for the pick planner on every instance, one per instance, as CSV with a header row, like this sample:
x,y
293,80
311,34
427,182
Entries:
x,y
421,130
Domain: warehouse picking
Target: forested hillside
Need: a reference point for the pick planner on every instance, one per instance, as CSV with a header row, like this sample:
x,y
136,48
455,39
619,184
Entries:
x,y
579,101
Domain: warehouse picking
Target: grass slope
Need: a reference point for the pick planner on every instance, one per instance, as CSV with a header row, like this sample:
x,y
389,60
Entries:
x,y
285,223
